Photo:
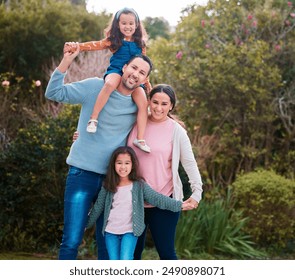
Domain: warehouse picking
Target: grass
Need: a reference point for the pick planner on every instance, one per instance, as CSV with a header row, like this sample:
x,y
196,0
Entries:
x,y
25,256
148,254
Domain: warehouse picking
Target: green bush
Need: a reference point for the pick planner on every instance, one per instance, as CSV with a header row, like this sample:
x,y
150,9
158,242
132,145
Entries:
x,y
215,228
21,103
33,172
268,200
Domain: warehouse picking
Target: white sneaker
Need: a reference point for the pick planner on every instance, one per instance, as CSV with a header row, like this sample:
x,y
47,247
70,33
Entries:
x,y
143,147
91,126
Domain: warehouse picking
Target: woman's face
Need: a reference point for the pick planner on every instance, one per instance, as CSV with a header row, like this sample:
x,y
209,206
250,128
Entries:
x,y
160,105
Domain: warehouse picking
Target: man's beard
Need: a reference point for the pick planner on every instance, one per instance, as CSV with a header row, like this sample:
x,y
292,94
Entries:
x,y
127,86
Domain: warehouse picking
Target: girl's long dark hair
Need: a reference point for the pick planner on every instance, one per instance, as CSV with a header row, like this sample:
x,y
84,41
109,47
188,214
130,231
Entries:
x,y
114,34
112,179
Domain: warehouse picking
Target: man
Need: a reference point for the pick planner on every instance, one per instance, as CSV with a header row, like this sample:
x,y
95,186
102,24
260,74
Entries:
x,y
90,153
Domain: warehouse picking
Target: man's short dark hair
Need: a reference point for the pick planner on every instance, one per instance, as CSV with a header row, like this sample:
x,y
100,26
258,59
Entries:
x,y
145,58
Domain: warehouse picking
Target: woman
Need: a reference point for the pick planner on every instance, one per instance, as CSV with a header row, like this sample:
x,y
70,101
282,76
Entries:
x,y
169,145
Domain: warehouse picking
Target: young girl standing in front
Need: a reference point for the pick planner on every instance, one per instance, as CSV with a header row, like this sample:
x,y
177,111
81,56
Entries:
x,y
126,37
122,200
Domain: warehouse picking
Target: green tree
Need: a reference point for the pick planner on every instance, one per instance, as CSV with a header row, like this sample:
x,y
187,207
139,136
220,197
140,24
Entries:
x,y
33,32
156,27
79,2
226,70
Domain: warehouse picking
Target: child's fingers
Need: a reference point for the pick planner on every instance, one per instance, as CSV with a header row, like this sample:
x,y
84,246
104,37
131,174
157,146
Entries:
x,y
70,47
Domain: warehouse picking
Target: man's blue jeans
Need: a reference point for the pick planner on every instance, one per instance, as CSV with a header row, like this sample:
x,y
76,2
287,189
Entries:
x,y
120,246
82,188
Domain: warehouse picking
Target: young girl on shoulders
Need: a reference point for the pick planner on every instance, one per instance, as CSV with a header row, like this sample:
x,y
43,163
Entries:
x,y
122,201
125,37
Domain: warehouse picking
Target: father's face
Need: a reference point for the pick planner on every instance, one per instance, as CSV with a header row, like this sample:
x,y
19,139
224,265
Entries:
x,y
135,73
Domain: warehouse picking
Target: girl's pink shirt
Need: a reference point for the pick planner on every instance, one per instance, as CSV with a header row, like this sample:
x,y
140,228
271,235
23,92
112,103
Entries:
x,y
120,218
155,167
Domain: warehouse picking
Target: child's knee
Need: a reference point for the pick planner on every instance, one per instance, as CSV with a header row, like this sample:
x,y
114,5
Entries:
x,y
110,83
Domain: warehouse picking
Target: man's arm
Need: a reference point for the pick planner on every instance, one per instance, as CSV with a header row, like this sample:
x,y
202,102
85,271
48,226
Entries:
x,y
72,93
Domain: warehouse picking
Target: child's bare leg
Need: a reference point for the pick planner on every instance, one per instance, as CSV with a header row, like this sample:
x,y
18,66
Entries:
x,y
140,99
111,83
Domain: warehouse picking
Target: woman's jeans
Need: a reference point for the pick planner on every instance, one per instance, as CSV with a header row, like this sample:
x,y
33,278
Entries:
x,y
162,225
120,246
82,188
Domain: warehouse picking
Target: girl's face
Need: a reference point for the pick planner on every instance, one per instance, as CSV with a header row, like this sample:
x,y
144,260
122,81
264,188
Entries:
x,y
127,25
123,165
160,105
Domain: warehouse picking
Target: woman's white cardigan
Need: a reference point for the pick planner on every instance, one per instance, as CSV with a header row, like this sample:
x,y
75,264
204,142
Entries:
x,y
182,152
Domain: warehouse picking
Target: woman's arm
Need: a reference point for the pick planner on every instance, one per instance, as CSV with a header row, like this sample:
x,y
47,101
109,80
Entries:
x,y
190,166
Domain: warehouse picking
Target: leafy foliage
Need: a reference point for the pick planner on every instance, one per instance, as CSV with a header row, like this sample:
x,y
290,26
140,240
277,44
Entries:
x,y
21,103
268,200
33,32
32,172
156,27
230,64
216,229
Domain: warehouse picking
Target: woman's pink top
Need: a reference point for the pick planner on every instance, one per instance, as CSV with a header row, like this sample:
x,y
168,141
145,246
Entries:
x,y
155,167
